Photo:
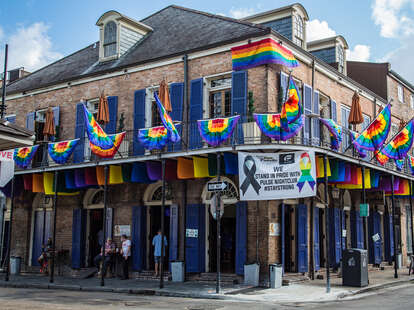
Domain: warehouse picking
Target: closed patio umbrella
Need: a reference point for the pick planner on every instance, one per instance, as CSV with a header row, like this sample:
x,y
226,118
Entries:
x,y
49,129
103,110
355,115
165,96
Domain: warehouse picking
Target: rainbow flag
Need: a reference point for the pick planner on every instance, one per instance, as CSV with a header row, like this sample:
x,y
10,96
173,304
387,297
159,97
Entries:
x,y
401,143
154,137
293,128
353,135
399,163
269,124
381,157
374,136
216,131
292,108
266,51
411,163
335,132
96,135
23,156
167,121
61,151
109,153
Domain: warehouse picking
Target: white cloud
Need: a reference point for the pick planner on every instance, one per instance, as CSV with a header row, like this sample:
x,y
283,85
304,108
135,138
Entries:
x,y
401,60
360,52
30,47
316,30
389,15
241,12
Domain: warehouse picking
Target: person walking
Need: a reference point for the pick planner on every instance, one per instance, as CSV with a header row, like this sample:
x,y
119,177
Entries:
x,y
126,254
156,242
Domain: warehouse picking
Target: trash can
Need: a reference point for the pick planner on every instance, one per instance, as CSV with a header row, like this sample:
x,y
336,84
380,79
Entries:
x,y
399,261
275,275
177,271
251,274
354,267
15,262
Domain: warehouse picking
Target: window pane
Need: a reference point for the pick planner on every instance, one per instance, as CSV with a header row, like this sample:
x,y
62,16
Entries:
x,y
110,33
227,103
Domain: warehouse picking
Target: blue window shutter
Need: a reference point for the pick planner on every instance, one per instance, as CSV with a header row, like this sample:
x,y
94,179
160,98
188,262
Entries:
x,y
195,246
139,120
316,246
302,238
110,128
315,121
239,100
79,152
11,119
30,118
333,110
241,236
78,238
307,105
196,112
173,243
138,237
177,99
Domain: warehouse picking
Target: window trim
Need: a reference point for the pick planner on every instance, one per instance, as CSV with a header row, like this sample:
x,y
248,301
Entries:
x,y
298,36
400,87
412,101
207,89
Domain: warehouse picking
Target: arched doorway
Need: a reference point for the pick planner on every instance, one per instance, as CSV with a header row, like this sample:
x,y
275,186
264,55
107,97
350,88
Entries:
x,y
228,227
153,202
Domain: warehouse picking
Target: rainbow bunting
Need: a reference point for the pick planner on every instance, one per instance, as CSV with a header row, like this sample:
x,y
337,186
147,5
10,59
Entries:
x,y
23,156
265,51
374,136
154,137
109,153
353,135
401,143
167,121
381,157
399,163
61,151
96,135
411,163
335,132
269,124
292,108
293,128
216,131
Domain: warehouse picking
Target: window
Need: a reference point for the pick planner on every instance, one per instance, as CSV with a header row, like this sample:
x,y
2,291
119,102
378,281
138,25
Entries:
x,y
341,59
299,32
93,106
219,99
412,101
155,114
346,141
400,91
109,39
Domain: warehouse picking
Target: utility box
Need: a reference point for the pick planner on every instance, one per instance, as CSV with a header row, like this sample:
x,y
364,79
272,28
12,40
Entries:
x,y
354,267
275,275
251,274
177,271
15,263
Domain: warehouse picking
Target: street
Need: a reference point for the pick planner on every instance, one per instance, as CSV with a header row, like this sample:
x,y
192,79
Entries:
x,y
33,299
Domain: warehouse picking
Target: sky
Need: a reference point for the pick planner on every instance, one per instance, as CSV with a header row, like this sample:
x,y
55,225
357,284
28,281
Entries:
x,y
42,31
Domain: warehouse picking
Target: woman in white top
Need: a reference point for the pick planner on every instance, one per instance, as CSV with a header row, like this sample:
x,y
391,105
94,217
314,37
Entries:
x,y
126,254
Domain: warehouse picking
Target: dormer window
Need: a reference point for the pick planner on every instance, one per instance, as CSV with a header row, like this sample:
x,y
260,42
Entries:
x,y
109,39
341,59
299,31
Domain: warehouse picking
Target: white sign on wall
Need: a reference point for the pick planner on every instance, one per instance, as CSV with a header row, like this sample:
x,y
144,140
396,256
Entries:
x,y
274,229
270,176
120,230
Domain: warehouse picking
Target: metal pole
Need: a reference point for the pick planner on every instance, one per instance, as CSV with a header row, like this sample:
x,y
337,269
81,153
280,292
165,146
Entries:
x,y
218,216
328,280
411,211
53,254
9,233
162,225
364,200
312,250
257,231
393,227
3,96
104,225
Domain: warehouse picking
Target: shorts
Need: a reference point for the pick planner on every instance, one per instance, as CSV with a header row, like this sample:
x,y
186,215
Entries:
x,y
157,259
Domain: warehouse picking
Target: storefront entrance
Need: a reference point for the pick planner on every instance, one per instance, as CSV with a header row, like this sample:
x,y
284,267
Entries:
x,y
95,236
154,225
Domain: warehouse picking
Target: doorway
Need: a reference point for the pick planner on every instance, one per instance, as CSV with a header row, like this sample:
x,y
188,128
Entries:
x,y
41,233
95,235
288,246
154,226
228,241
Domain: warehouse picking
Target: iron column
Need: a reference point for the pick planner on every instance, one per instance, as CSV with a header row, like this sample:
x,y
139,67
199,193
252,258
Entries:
x,y
218,216
325,170
10,232
162,225
393,227
53,254
103,271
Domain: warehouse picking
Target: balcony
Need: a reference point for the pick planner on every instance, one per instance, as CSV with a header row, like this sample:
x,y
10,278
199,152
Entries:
x,y
246,136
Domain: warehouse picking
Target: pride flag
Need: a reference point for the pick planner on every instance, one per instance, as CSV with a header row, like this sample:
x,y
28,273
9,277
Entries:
x,y
216,131
109,153
154,137
167,121
335,132
97,137
401,143
61,151
23,156
292,108
266,51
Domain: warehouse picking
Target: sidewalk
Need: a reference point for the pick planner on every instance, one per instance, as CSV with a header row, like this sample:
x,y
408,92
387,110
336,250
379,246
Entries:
x,y
309,291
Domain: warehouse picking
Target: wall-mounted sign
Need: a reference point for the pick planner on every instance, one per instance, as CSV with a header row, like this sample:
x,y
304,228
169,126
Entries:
x,y
120,230
376,237
191,233
274,229
363,209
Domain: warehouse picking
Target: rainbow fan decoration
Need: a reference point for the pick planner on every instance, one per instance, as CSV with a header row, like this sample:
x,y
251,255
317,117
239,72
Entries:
x,y
154,137
167,121
411,163
96,135
269,124
109,153
23,156
353,135
399,163
374,136
61,151
216,131
401,143
381,157
292,108
335,132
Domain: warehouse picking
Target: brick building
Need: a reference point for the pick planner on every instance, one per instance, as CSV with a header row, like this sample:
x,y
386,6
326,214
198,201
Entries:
x,y
191,50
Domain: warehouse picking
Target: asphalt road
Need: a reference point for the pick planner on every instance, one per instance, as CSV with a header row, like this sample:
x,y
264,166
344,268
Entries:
x,y
36,299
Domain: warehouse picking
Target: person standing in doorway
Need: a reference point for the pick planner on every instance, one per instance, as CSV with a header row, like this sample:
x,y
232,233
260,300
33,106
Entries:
x,y
126,254
156,242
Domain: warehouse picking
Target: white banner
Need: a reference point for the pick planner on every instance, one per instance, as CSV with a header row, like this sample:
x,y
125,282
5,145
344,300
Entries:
x,y
271,176
6,155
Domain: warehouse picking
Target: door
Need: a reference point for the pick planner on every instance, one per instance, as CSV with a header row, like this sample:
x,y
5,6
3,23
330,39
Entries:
x,y
195,238
302,238
41,232
241,236
335,236
357,230
78,237
316,248
139,230
173,233
388,238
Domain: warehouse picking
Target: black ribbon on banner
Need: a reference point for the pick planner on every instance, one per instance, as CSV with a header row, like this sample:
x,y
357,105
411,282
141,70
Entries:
x,y
249,172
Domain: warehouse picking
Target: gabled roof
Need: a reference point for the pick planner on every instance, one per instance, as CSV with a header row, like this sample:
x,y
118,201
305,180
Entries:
x,y
176,30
